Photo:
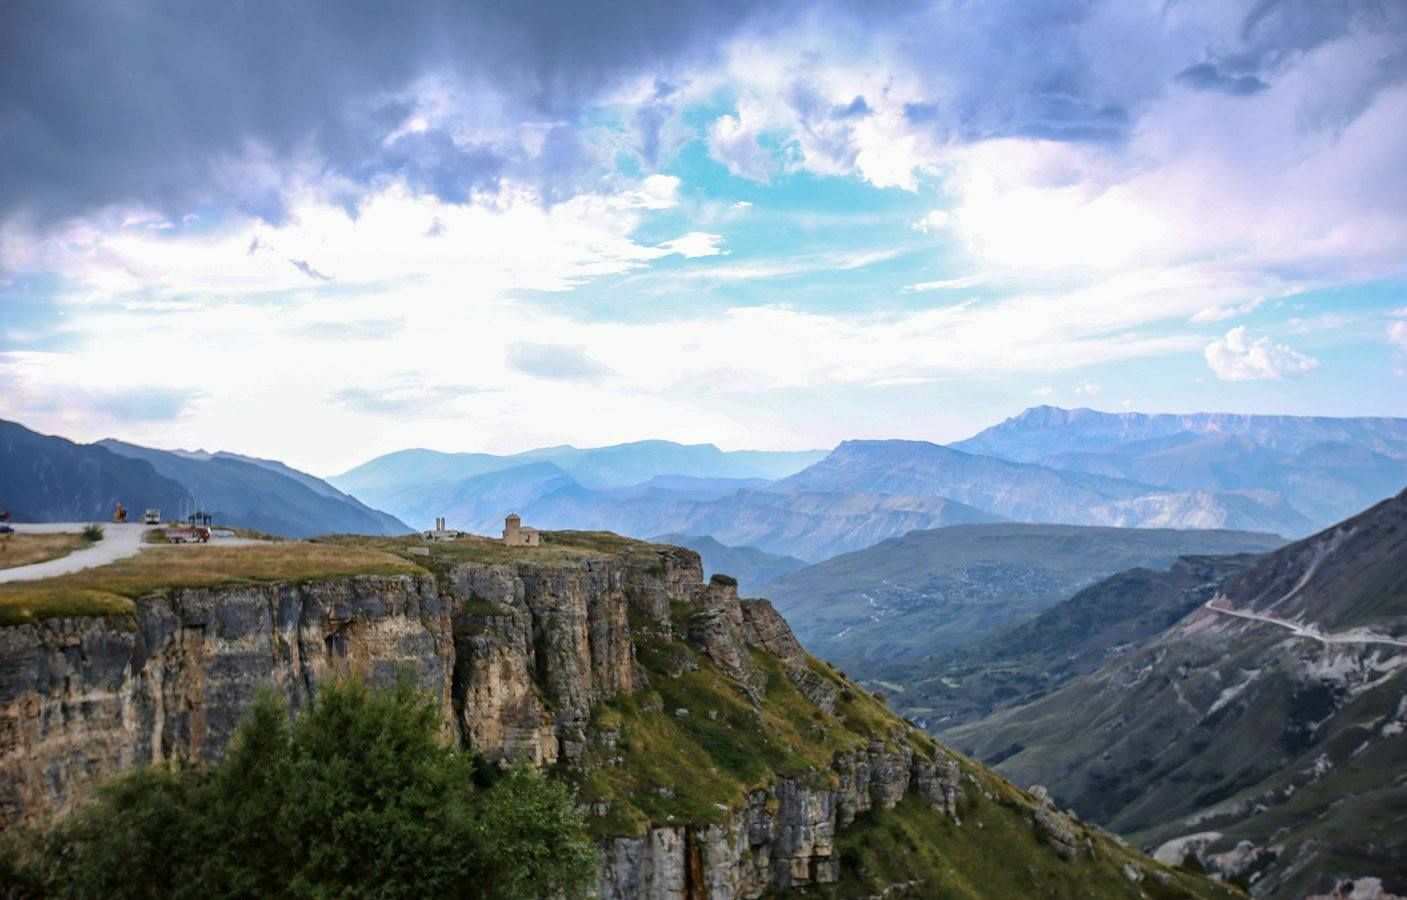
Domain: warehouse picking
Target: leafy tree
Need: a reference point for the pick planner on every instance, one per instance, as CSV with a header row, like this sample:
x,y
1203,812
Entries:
x,y
532,837
362,796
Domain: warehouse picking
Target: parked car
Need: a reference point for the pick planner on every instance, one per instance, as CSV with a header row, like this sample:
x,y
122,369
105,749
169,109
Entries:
x,y
6,528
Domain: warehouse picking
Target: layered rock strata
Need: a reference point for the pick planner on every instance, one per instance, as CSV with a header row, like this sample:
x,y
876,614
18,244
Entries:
x,y
517,654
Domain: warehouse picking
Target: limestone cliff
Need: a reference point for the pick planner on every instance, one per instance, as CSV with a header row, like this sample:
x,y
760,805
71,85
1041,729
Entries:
x,y
716,758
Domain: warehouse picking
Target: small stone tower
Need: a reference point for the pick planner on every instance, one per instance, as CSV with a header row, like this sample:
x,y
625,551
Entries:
x,y
516,535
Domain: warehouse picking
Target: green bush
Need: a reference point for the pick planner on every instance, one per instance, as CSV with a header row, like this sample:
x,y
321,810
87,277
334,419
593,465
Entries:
x,y
362,796
92,533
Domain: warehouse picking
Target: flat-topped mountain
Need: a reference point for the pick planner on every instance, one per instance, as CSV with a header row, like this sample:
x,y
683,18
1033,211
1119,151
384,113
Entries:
x,y
1041,431
1027,492
1324,468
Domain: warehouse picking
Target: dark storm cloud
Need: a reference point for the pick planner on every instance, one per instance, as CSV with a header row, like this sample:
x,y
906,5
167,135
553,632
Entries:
x,y
111,102
186,106
1084,71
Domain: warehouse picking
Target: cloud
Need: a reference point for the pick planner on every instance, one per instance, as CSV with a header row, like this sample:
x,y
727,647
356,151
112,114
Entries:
x,y
1086,389
1397,334
306,268
1237,358
412,395
136,404
177,112
695,244
1209,314
559,362
734,142
1207,77
949,284
351,330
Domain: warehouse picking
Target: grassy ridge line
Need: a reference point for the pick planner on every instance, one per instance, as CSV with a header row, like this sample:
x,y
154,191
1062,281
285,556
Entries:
x,y
110,590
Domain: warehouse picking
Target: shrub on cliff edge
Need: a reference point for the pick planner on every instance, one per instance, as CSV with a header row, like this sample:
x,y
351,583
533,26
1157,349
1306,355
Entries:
x,y
361,797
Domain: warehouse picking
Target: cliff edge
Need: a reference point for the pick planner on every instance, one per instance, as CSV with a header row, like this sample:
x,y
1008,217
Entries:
x,y
716,758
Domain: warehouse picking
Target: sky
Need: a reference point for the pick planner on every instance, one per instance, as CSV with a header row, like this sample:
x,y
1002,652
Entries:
x,y
321,232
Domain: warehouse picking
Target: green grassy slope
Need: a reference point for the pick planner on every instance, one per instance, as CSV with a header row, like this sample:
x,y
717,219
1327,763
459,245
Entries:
x,y
1075,637
911,596
652,765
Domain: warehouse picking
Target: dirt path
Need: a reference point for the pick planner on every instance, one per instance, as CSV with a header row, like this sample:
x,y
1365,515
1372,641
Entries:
x,y
1307,631
119,542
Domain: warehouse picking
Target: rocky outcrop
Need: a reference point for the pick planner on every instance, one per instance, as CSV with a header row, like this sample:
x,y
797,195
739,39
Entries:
x,y
84,699
783,837
517,654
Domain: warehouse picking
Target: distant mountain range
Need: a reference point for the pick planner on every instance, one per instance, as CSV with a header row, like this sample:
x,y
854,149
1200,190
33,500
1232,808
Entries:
x,y
906,597
1027,492
1277,474
1264,734
51,479
1323,468
621,465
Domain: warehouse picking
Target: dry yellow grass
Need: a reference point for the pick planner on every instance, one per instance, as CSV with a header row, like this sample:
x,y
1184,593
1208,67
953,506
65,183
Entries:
x,y
27,549
557,547
110,590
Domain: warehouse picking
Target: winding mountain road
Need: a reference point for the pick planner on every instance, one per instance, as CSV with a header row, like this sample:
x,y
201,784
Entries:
x,y
119,542
1307,631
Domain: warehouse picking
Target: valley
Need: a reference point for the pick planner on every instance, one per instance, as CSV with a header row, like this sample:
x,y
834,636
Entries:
x,y
713,755
1132,627
1260,732
945,588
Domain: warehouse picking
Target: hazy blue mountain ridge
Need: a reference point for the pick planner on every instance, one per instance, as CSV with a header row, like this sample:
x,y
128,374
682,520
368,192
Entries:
x,y
1323,468
1027,492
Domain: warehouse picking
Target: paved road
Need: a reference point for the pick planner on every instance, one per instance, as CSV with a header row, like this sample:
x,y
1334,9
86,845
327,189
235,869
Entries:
x,y
119,542
1308,631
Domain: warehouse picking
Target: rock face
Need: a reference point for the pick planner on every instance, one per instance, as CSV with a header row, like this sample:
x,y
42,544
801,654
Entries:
x,y
784,837
518,654
84,699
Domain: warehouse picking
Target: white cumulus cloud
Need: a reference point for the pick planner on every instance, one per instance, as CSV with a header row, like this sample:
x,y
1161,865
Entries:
x,y
732,140
1397,334
1237,357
